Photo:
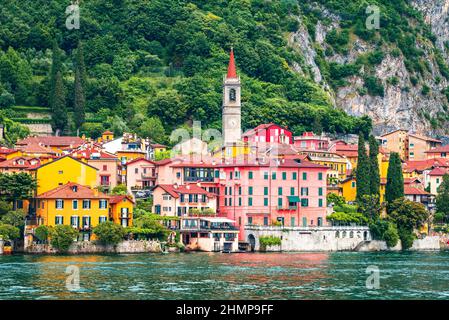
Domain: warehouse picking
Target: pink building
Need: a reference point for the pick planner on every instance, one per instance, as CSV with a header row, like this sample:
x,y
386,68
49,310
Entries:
x,y
141,174
105,162
310,141
268,133
288,192
178,200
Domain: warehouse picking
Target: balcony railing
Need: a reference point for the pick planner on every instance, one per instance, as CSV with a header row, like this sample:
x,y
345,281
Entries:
x,y
148,176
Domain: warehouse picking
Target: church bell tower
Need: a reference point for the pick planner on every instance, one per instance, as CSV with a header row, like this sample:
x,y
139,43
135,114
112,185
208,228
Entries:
x,y
231,119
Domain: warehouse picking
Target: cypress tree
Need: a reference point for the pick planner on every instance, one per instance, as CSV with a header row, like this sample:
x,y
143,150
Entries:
x,y
395,181
55,67
374,166
80,82
59,118
362,171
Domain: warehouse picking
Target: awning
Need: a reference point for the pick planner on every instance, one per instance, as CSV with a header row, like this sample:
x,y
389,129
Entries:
x,y
293,199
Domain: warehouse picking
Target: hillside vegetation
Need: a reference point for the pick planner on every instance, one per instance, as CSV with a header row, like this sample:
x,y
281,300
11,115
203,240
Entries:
x,y
154,65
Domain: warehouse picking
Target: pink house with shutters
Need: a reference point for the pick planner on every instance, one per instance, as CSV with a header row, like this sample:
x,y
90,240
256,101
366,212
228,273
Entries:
x,y
268,133
141,174
284,191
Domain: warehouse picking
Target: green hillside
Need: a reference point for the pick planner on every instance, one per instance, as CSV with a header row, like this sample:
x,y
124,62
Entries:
x,y
165,59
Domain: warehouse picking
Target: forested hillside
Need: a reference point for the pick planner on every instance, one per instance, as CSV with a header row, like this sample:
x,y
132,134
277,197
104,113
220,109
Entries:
x,y
153,65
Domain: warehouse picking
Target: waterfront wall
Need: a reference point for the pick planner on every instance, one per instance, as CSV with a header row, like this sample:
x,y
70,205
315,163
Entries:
x,y
328,239
309,238
85,247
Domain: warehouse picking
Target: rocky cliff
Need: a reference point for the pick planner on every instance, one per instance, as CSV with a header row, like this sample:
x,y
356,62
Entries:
x,y
406,87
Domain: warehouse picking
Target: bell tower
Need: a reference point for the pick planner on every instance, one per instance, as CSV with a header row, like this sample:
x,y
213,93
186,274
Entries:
x,y
231,118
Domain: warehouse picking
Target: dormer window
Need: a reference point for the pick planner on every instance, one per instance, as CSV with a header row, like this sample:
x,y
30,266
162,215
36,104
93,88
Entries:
x,y
75,189
232,95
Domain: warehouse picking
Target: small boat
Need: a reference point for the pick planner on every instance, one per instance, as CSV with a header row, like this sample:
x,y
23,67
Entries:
x,y
7,248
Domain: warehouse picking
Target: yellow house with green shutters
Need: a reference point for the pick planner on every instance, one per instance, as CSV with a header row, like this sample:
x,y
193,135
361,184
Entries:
x,y
62,171
74,205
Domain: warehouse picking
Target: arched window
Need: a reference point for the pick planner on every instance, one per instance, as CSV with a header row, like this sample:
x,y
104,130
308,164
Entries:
x,y
232,95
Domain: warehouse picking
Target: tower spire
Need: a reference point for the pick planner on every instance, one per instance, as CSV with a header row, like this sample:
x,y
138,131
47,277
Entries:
x,y
232,73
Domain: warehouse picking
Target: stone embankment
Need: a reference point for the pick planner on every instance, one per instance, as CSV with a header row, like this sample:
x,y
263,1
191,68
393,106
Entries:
x,y
328,239
89,247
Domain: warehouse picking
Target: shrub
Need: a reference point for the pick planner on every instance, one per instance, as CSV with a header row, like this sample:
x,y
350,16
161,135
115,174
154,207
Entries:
x,y
42,233
336,199
109,233
9,232
406,237
15,218
391,235
266,241
62,236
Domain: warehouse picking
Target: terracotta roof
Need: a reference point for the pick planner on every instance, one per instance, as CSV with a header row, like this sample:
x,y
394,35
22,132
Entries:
x,y
232,73
67,191
282,163
157,145
439,149
53,141
139,160
411,180
28,163
33,147
263,126
175,191
414,191
92,153
107,132
424,138
52,162
163,162
421,165
438,172
4,150
117,199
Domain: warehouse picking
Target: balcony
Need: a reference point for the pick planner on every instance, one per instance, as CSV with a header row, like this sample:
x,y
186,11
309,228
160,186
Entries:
x,y
148,176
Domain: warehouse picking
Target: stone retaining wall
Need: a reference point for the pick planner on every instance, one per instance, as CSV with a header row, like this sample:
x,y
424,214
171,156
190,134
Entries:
x,y
131,246
329,239
309,238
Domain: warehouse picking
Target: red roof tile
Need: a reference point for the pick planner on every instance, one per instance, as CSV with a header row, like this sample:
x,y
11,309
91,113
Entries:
x,y
438,172
414,191
28,163
33,147
67,191
92,153
52,141
175,191
117,199
4,150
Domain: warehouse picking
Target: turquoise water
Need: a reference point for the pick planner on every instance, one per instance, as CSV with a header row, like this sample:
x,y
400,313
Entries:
x,y
339,275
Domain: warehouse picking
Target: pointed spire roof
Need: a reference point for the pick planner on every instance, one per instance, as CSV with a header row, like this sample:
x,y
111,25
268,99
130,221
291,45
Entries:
x,y
232,73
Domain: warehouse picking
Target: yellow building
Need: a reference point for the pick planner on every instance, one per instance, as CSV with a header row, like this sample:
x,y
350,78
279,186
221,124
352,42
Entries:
x,y
106,136
74,205
349,189
129,155
121,210
62,171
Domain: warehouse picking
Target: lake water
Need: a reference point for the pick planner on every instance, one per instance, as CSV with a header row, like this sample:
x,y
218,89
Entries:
x,y
341,275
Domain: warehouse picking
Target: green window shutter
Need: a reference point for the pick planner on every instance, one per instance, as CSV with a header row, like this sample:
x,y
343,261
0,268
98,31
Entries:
x,y
320,191
304,176
265,175
280,191
250,191
250,202
273,176
280,202
320,202
294,176
250,175
292,191
320,176
265,191
265,202
240,202
284,175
